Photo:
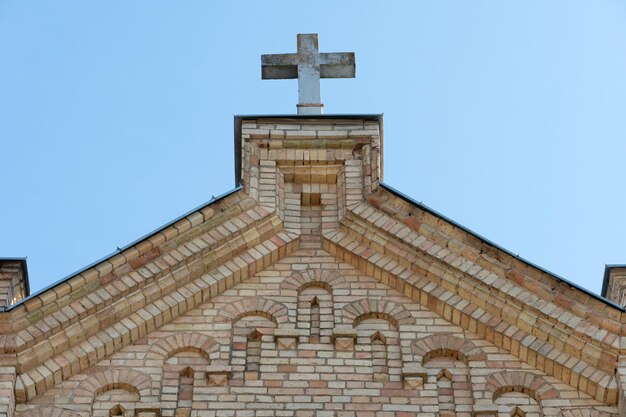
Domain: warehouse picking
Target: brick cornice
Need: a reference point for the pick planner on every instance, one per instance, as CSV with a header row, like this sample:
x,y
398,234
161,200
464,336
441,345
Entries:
x,y
483,284
59,295
157,288
421,288
452,236
112,297
199,287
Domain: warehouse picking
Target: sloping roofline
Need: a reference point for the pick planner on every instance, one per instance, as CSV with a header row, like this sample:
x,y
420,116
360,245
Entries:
x,y
435,213
120,250
238,120
238,187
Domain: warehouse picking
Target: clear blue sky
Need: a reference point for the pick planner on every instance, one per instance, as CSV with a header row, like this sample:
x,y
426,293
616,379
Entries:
x,y
508,117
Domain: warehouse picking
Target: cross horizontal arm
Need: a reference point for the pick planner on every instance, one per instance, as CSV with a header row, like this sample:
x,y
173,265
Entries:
x,y
279,66
336,58
337,65
337,71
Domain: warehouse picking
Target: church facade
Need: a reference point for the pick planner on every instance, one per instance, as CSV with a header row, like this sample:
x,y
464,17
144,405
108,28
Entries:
x,y
311,289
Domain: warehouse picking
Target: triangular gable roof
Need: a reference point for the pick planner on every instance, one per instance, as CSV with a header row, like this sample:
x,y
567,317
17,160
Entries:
x,y
543,319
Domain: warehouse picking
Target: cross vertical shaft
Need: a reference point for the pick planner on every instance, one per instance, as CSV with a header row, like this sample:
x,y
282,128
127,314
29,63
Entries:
x,y
309,96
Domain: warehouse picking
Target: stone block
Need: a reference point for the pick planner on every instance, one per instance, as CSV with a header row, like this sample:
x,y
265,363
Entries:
x,y
485,410
147,412
218,375
286,343
344,339
414,377
218,380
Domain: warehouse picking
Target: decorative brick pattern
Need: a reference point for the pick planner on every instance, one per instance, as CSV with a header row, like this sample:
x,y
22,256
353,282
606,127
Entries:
x,y
315,313
366,308
48,412
7,391
256,306
331,280
584,412
535,386
439,345
312,292
287,161
317,379
174,302
441,277
117,378
169,346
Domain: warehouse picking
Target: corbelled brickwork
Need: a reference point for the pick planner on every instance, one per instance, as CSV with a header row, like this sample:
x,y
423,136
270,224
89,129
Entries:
x,y
13,283
310,170
313,290
380,354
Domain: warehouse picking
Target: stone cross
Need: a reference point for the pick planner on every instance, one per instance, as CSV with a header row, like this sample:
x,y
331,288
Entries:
x,y
308,65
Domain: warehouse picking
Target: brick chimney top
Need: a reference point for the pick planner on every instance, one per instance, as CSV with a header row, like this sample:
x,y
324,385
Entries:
x,y
13,281
614,285
310,169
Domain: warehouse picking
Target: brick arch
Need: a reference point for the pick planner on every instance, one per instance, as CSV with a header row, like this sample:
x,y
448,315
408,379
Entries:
x,y
445,345
584,412
168,346
323,278
115,378
254,306
47,411
533,385
366,308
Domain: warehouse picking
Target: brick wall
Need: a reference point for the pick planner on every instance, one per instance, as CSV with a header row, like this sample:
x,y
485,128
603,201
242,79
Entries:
x,y
256,350
312,292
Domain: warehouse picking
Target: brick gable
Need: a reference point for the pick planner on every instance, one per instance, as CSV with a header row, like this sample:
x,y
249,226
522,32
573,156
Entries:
x,y
311,291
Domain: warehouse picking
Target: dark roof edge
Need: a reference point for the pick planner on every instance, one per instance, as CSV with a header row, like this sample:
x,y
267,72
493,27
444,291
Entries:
x,y
238,118
24,269
605,279
122,249
371,116
435,213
